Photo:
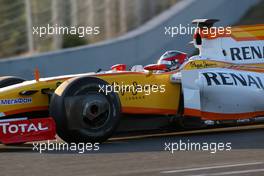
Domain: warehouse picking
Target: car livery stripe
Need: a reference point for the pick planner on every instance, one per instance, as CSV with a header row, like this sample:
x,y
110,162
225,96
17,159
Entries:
x,y
13,120
245,67
109,74
241,33
221,116
39,108
248,27
97,74
138,110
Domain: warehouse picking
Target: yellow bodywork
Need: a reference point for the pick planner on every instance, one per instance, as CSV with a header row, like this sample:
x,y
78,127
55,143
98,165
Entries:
x,y
166,102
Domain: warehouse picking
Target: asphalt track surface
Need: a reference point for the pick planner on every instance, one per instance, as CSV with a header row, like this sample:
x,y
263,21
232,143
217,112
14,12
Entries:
x,y
145,155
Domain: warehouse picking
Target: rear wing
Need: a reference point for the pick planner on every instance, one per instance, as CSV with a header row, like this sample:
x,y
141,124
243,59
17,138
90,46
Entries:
x,y
205,22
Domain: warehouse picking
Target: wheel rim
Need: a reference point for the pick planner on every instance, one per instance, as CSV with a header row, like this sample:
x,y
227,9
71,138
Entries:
x,y
95,112
95,107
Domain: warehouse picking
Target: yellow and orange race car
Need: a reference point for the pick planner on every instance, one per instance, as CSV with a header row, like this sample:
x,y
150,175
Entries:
x,y
225,82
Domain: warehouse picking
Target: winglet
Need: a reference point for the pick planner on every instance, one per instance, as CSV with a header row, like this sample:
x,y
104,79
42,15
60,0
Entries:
x,y
37,74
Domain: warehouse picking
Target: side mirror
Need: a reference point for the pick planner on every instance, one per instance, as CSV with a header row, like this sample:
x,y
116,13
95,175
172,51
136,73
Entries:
x,y
153,67
119,67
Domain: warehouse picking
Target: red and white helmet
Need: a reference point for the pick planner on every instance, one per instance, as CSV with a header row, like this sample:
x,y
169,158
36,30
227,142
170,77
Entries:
x,y
173,59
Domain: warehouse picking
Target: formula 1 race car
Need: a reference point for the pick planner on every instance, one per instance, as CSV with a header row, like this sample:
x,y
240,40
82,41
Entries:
x,y
223,84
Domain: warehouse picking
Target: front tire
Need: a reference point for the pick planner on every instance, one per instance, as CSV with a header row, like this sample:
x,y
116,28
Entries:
x,y
10,80
82,113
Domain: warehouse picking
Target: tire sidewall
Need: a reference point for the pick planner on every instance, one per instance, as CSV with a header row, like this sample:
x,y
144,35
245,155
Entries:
x,y
58,111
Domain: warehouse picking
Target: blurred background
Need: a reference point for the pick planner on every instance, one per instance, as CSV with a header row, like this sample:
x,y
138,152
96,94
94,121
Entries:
x,y
114,17
131,31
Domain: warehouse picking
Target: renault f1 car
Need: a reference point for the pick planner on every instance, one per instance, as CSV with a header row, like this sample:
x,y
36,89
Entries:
x,y
224,83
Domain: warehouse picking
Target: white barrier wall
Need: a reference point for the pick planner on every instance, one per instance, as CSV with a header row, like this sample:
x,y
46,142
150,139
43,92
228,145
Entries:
x,y
141,46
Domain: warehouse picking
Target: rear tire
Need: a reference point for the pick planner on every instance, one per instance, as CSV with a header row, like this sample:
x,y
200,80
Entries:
x,y
188,123
82,113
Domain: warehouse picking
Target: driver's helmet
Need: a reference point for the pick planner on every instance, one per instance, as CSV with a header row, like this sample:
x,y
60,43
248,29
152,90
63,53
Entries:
x,y
172,59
